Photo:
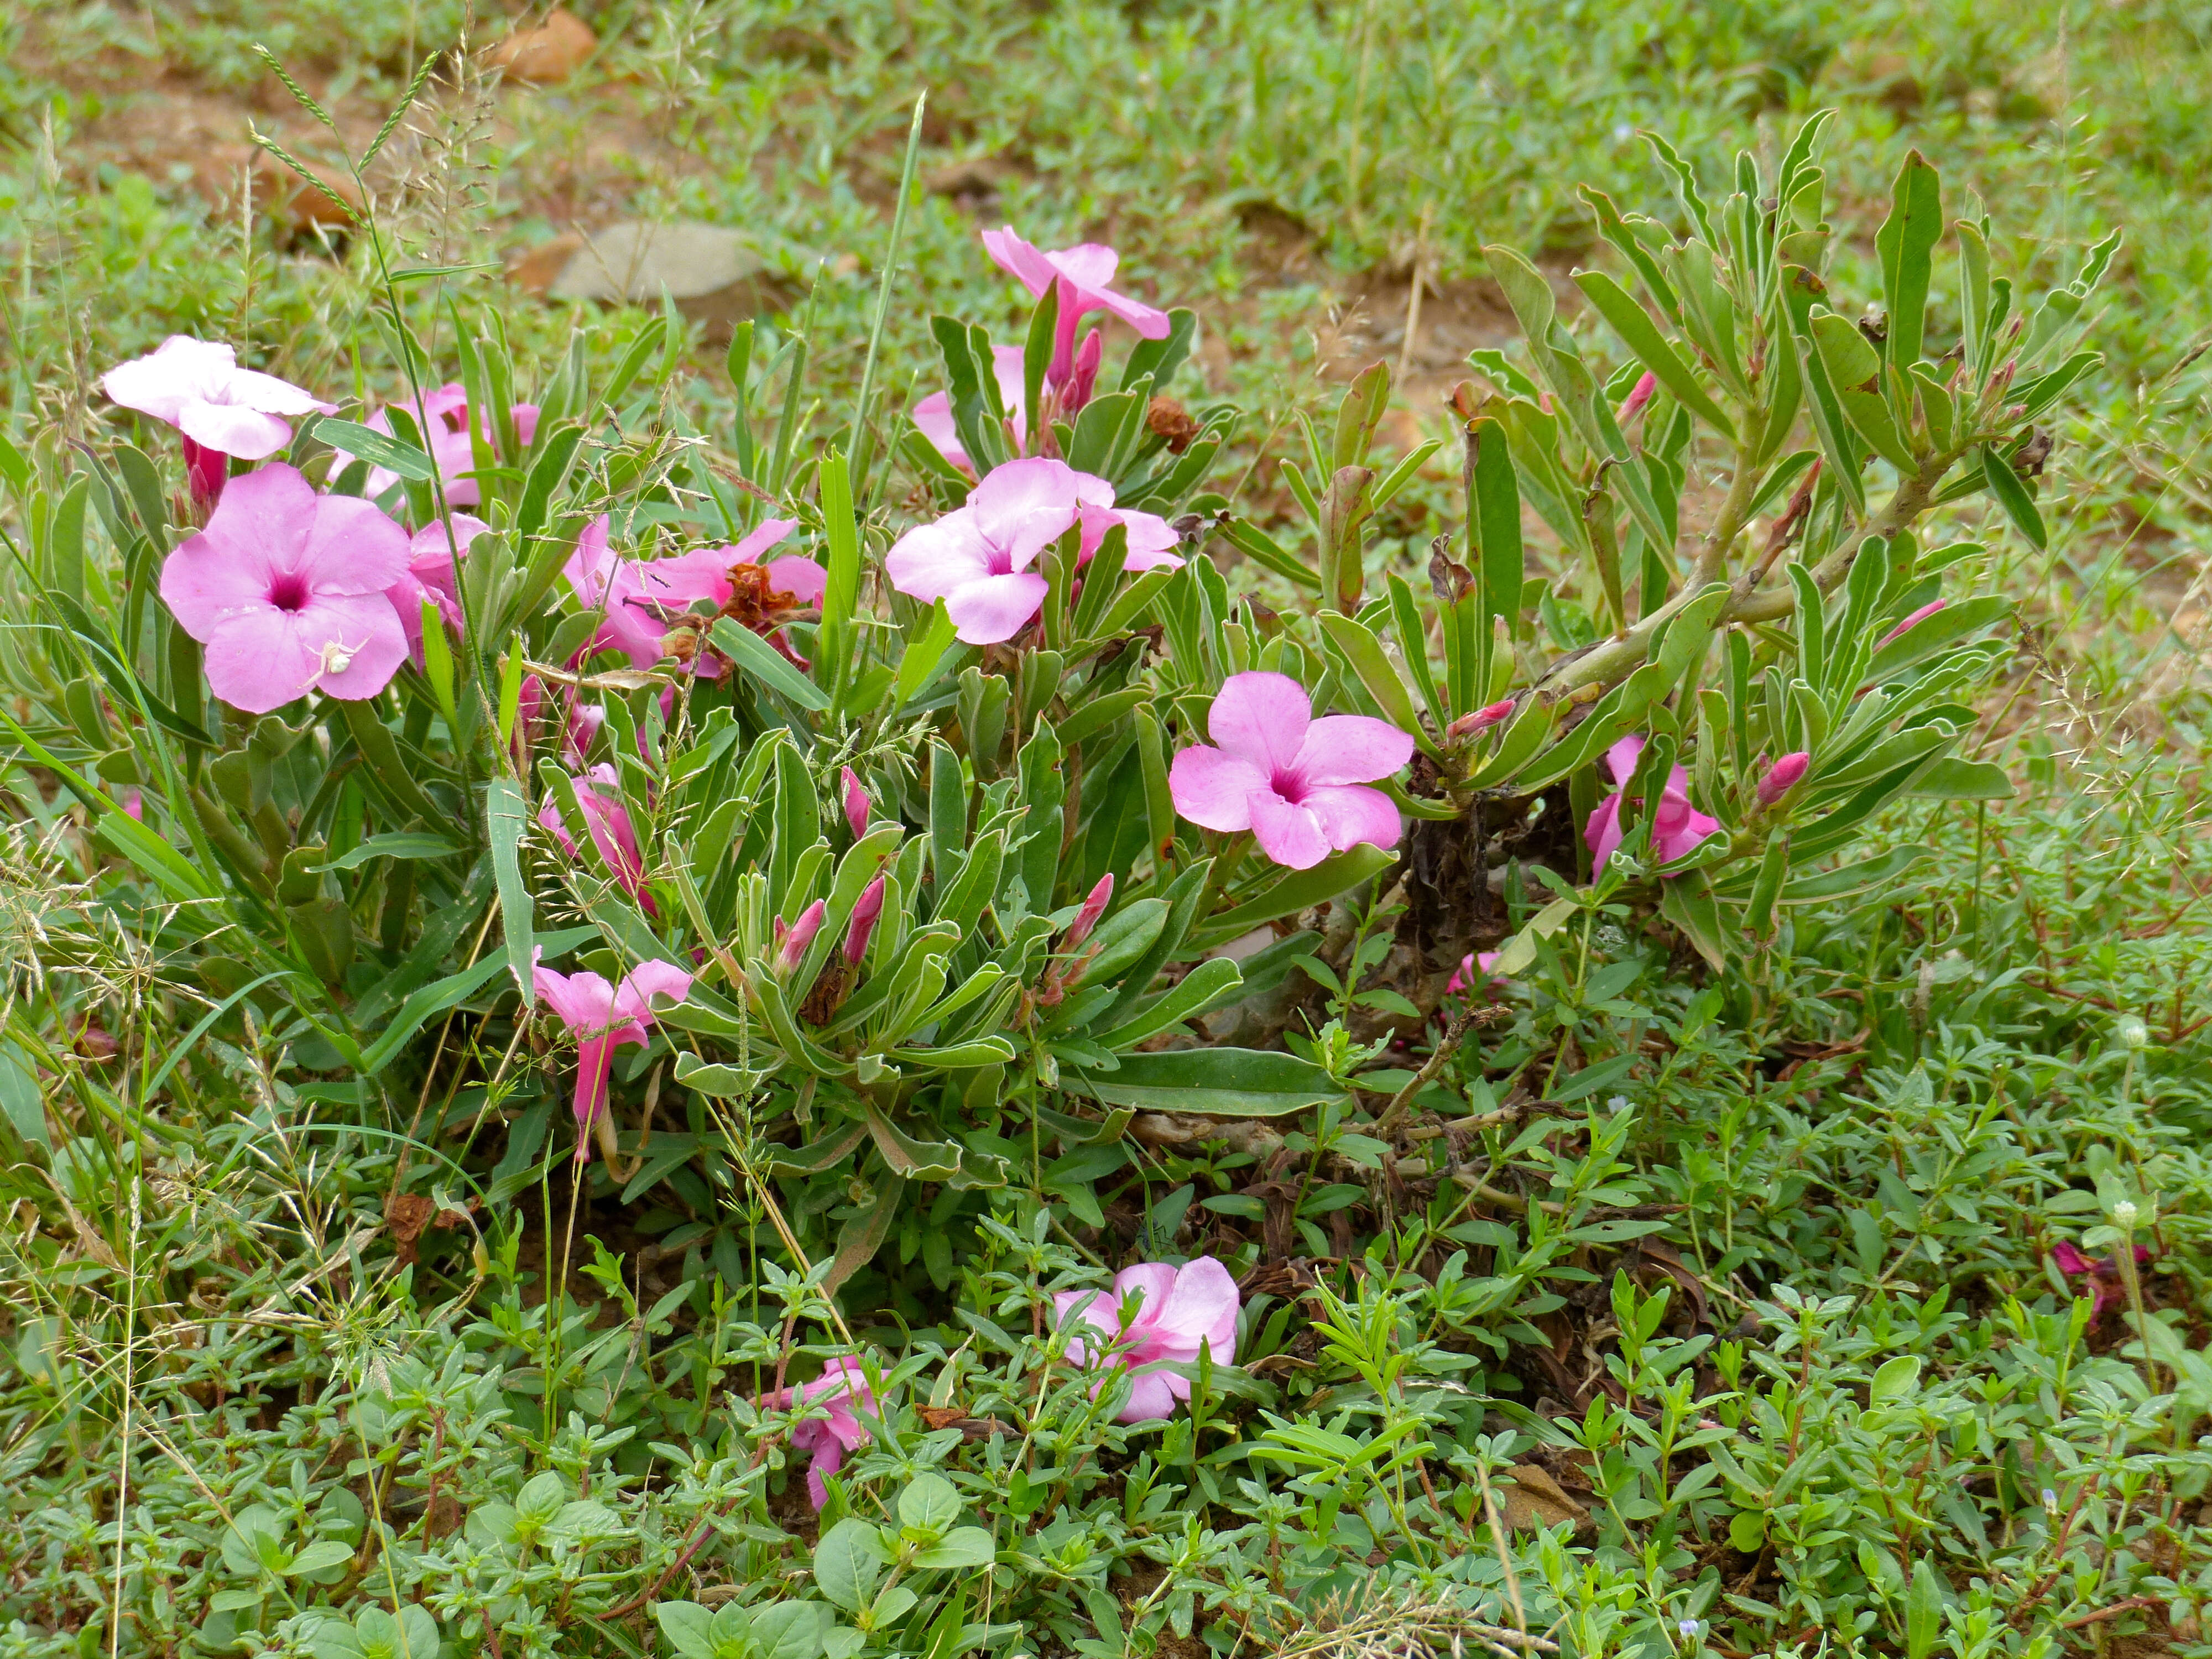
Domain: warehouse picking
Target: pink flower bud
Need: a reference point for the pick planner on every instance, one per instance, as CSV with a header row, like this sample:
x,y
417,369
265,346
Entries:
x,y
1481,721
1638,396
791,942
1093,907
865,915
1782,777
856,803
1919,616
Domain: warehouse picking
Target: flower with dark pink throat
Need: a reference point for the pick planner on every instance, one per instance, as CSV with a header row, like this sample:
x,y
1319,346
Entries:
x,y
1085,273
842,1392
219,409
602,1017
285,590
1676,826
1294,782
1155,1313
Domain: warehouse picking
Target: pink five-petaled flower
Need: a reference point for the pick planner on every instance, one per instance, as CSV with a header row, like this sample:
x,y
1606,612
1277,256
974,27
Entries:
x,y
843,1385
1917,617
429,576
932,415
1473,969
1155,1312
601,1018
1676,826
221,410
607,821
1783,777
442,418
1085,273
1289,779
285,590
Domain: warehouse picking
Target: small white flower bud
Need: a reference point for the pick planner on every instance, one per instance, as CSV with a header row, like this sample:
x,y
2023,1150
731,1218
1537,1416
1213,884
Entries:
x,y
2124,1215
2133,1033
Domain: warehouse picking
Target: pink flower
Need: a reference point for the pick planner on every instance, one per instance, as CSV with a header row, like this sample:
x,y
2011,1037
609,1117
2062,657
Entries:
x,y
221,410
1676,826
132,801
934,414
856,803
442,418
1084,273
601,1018
1473,969
1094,906
285,590
429,576
866,912
641,598
1289,779
1481,721
976,557
2104,1276
1783,777
1919,616
792,940
1639,395
1154,1313
1151,540
607,821
842,1386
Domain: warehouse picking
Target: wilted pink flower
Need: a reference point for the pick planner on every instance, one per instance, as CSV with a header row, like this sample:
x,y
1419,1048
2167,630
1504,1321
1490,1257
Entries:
x,y
843,1385
442,418
1085,275
1919,616
429,576
607,821
1783,777
866,912
792,940
1155,1313
601,1018
1481,721
1289,779
1638,396
2104,1276
1676,826
221,410
856,803
1094,906
641,598
285,590
934,414
1473,969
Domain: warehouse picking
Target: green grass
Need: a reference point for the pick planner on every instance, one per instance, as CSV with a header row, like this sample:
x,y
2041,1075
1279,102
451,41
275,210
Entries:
x,y
1860,1154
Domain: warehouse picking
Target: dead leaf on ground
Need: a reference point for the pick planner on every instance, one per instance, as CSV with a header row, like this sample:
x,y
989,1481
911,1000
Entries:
x,y
547,54
1530,1497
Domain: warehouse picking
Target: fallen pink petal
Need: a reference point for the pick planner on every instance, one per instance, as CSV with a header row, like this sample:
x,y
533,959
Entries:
x,y
1677,827
843,1392
1153,1313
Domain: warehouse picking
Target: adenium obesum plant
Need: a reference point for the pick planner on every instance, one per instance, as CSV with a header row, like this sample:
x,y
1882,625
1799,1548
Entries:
x,y
601,1018
977,557
841,1388
1296,783
219,409
286,593
1677,827
1154,1312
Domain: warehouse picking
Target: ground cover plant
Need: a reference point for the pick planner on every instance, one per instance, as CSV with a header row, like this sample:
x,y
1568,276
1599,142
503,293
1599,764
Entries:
x,y
965,974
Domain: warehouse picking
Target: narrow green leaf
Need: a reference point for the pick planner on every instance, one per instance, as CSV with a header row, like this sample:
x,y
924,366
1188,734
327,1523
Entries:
x,y
506,815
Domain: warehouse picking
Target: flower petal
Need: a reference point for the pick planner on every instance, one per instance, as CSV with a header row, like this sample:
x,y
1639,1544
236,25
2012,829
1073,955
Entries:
x,y
1152,1397
996,608
1261,718
1603,832
585,1002
366,629
1201,1307
933,418
256,661
1024,507
1211,787
1351,813
644,981
803,578
1151,1282
1019,259
179,370
1291,835
931,559
1620,759
352,545
1351,749
233,429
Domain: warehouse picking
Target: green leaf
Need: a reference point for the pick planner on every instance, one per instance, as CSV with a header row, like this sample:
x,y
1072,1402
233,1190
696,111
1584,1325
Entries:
x,y
847,1559
1906,243
929,1503
397,844
506,815
964,1547
1952,778
432,999
918,667
1212,1082
1634,327
760,660
377,448
2013,495
1366,655
167,868
1896,1379
1207,986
